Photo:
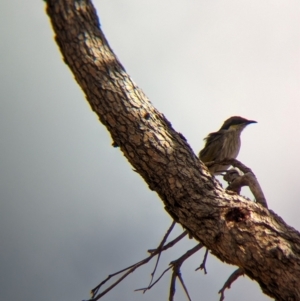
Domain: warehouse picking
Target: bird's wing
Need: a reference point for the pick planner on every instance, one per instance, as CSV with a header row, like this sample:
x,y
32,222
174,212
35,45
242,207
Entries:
x,y
212,148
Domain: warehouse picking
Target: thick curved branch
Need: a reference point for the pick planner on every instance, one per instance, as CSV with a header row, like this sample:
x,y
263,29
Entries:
x,y
238,232
237,181
247,179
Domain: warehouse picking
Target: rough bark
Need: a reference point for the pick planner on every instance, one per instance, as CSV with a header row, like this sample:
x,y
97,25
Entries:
x,y
236,230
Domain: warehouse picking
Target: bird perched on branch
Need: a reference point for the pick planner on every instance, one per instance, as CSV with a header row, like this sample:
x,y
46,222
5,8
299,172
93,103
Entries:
x,y
224,144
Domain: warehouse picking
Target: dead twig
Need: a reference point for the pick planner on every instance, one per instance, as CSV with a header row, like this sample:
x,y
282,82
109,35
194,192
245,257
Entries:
x,y
203,264
132,268
150,286
169,244
236,274
176,264
159,249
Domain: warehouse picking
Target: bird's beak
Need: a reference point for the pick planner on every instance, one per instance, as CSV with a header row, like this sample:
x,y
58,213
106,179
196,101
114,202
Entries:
x,y
251,121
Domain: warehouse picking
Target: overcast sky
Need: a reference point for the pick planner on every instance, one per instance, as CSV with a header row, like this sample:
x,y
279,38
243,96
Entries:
x,y
72,210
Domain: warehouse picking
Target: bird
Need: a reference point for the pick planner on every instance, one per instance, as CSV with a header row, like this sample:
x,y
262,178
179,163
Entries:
x,y
224,144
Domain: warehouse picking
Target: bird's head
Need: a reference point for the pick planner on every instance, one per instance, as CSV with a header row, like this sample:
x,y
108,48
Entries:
x,y
236,123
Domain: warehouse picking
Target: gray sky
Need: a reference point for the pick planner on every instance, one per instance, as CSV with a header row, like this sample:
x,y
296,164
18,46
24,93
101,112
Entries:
x,y
72,209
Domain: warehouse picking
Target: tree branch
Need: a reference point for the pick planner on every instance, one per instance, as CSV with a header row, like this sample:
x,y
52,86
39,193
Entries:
x,y
235,275
237,231
159,249
203,264
132,268
248,179
176,264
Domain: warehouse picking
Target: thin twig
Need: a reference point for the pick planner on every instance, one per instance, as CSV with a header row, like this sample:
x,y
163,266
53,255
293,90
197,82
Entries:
x,y
176,271
132,268
159,248
183,285
171,243
236,274
149,287
176,264
202,265
172,286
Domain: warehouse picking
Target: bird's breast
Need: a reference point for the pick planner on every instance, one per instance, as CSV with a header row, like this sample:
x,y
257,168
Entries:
x,y
232,145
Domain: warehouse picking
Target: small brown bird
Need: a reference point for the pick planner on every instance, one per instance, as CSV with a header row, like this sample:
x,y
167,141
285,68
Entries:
x,y
224,144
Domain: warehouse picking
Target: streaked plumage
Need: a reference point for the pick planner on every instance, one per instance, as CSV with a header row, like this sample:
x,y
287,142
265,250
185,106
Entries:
x,y
225,143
